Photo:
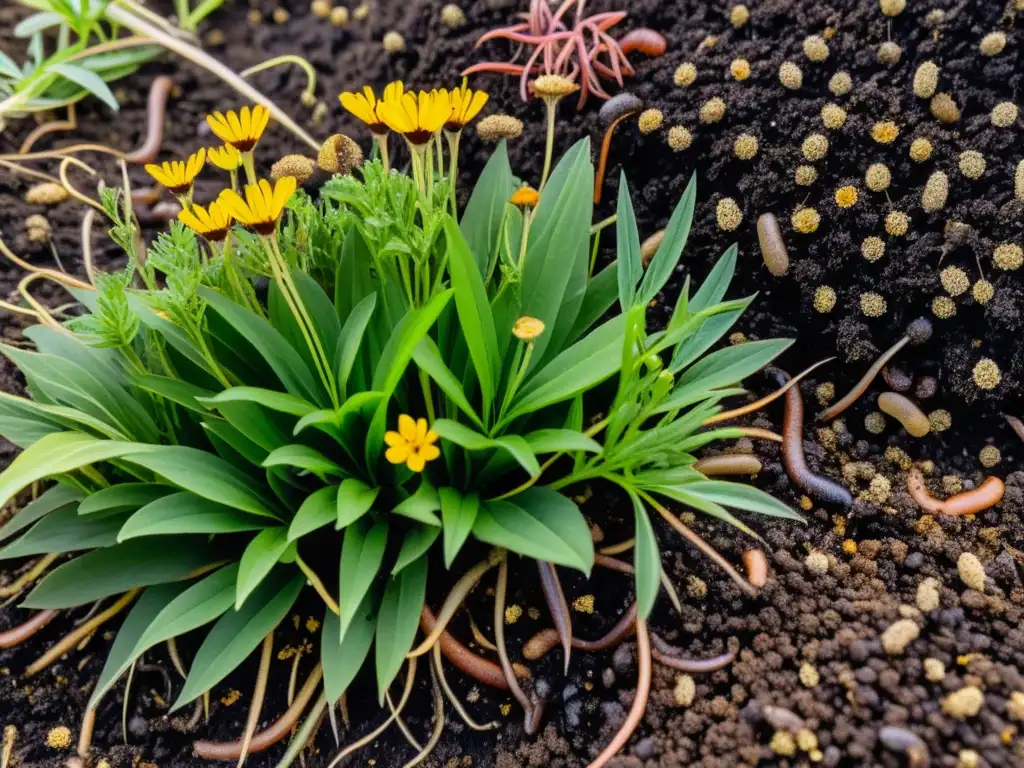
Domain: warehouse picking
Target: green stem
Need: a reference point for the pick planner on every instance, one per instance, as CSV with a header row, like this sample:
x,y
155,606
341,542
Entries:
x,y
604,223
382,145
453,169
567,480
288,58
517,377
250,167
549,147
427,398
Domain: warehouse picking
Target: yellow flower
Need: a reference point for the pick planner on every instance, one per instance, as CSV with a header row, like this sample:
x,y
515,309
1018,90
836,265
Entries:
x,y
178,176
212,223
366,107
527,328
262,206
466,104
525,196
225,157
417,118
412,445
242,129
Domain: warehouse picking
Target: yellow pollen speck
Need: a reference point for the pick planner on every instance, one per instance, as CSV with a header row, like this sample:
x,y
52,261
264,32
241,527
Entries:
x,y
650,120
940,420
815,147
712,111
1004,114
954,280
728,214
846,196
505,709
805,175
840,84
312,625
833,116
986,374
983,291
746,146
740,69
897,223
230,697
1008,256
873,248
59,737
920,150
943,307
806,221
739,15
989,456
885,132
393,42
685,75
972,164
850,547
583,604
513,614
824,298
790,75
877,177
872,304
679,138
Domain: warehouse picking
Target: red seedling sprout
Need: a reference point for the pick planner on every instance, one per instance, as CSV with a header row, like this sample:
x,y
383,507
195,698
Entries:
x,y
585,51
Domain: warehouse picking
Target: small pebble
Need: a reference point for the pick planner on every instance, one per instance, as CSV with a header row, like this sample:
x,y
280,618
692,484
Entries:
x,y
899,635
971,571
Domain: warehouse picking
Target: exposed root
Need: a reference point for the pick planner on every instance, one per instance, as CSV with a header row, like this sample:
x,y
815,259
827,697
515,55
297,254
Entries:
x,y
52,274
258,693
15,636
172,651
87,220
435,735
538,646
85,734
232,750
671,656
41,311
451,604
759,434
62,173
481,639
477,667
618,549
317,584
80,633
413,741
529,707
33,573
439,668
51,126
557,606
606,144
306,733
759,404
643,691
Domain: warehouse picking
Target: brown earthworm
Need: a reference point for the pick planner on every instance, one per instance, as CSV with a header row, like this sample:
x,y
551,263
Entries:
x,y
671,656
905,412
647,41
156,105
538,646
918,332
729,464
557,606
757,567
988,494
19,634
617,109
232,750
477,667
793,452
773,247
1015,424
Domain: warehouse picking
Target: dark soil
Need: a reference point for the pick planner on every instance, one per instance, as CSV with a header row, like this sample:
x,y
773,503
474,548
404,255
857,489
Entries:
x,y
878,554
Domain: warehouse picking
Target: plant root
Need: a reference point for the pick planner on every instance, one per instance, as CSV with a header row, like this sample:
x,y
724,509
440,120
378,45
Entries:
x,y
477,667
258,693
80,633
413,741
439,667
15,636
435,735
602,163
557,606
306,733
481,639
38,568
232,750
85,734
643,691
530,707
766,400
451,604
1015,424
51,126
671,656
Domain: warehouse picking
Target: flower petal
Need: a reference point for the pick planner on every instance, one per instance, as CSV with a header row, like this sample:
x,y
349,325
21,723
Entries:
x,y
398,454
407,427
415,462
429,452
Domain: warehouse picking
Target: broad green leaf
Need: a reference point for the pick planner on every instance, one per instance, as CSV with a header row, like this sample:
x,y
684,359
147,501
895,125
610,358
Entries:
x,y
342,660
459,513
354,500
204,475
116,569
361,555
481,219
203,602
321,312
471,440
714,287
422,505
646,560
727,366
63,530
742,496
561,441
56,497
237,634
355,278
520,450
36,23
676,233
319,509
535,530
428,358
714,509
709,332
233,446
123,497
268,429
302,457
418,540
92,82
185,512
268,398
55,418
397,620
627,239
181,392
351,339
258,560
598,299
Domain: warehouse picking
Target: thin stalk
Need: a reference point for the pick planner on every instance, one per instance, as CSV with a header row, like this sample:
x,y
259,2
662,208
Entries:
x,y
28,576
438,729
453,168
455,598
549,146
318,585
258,693
305,733
604,223
413,741
310,91
517,379
382,145
568,480
439,666
499,640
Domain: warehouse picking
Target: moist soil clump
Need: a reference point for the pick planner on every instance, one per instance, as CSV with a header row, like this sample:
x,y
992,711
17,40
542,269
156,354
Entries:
x,y
867,646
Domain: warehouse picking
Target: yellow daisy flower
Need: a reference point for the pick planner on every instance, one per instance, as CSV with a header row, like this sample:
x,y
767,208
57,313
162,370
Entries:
x,y
366,107
177,176
417,118
242,129
466,104
262,206
412,445
225,157
211,223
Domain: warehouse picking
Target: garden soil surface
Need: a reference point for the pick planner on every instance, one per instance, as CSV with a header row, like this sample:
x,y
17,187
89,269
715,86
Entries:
x,y
813,683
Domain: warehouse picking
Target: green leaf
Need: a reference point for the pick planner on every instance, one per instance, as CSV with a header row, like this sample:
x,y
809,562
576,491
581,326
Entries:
x,y
181,392
397,620
55,454
354,500
428,357
125,650
471,440
36,23
459,514
205,475
561,441
361,555
63,530
319,509
237,634
709,332
727,366
417,542
646,560
421,505
741,496
233,446
320,309
116,569
302,457
123,497
679,493
676,233
351,338
259,558
598,299
92,82
201,603
54,498
627,239
713,289
185,512
481,220
342,659
475,319
55,418
268,398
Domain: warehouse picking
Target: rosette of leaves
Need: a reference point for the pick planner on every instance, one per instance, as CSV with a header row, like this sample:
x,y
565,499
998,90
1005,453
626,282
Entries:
x,y
201,454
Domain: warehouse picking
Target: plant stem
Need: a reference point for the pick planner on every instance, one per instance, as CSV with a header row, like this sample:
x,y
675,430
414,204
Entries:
x,y
549,147
382,145
453,169
289,58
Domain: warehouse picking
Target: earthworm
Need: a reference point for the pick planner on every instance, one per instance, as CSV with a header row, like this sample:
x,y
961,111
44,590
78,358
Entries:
x,y
647,41
615,110
232,750
538,646
773,247
1015,424
759,404
17,635
477,667
557,607
729,464
530,706
905,412
643,691
793,452
650,246
918,332
757,567
156,105
671,656
897,378
986,495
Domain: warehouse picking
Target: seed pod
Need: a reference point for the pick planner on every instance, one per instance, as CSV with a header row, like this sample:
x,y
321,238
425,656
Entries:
x,y
944,109
298,167
936,191
650,246
905,412
393,42
712,111
773,247
926,80
498,127
617,106
993,43
339,154
972,164
840,84
452,16
46,193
